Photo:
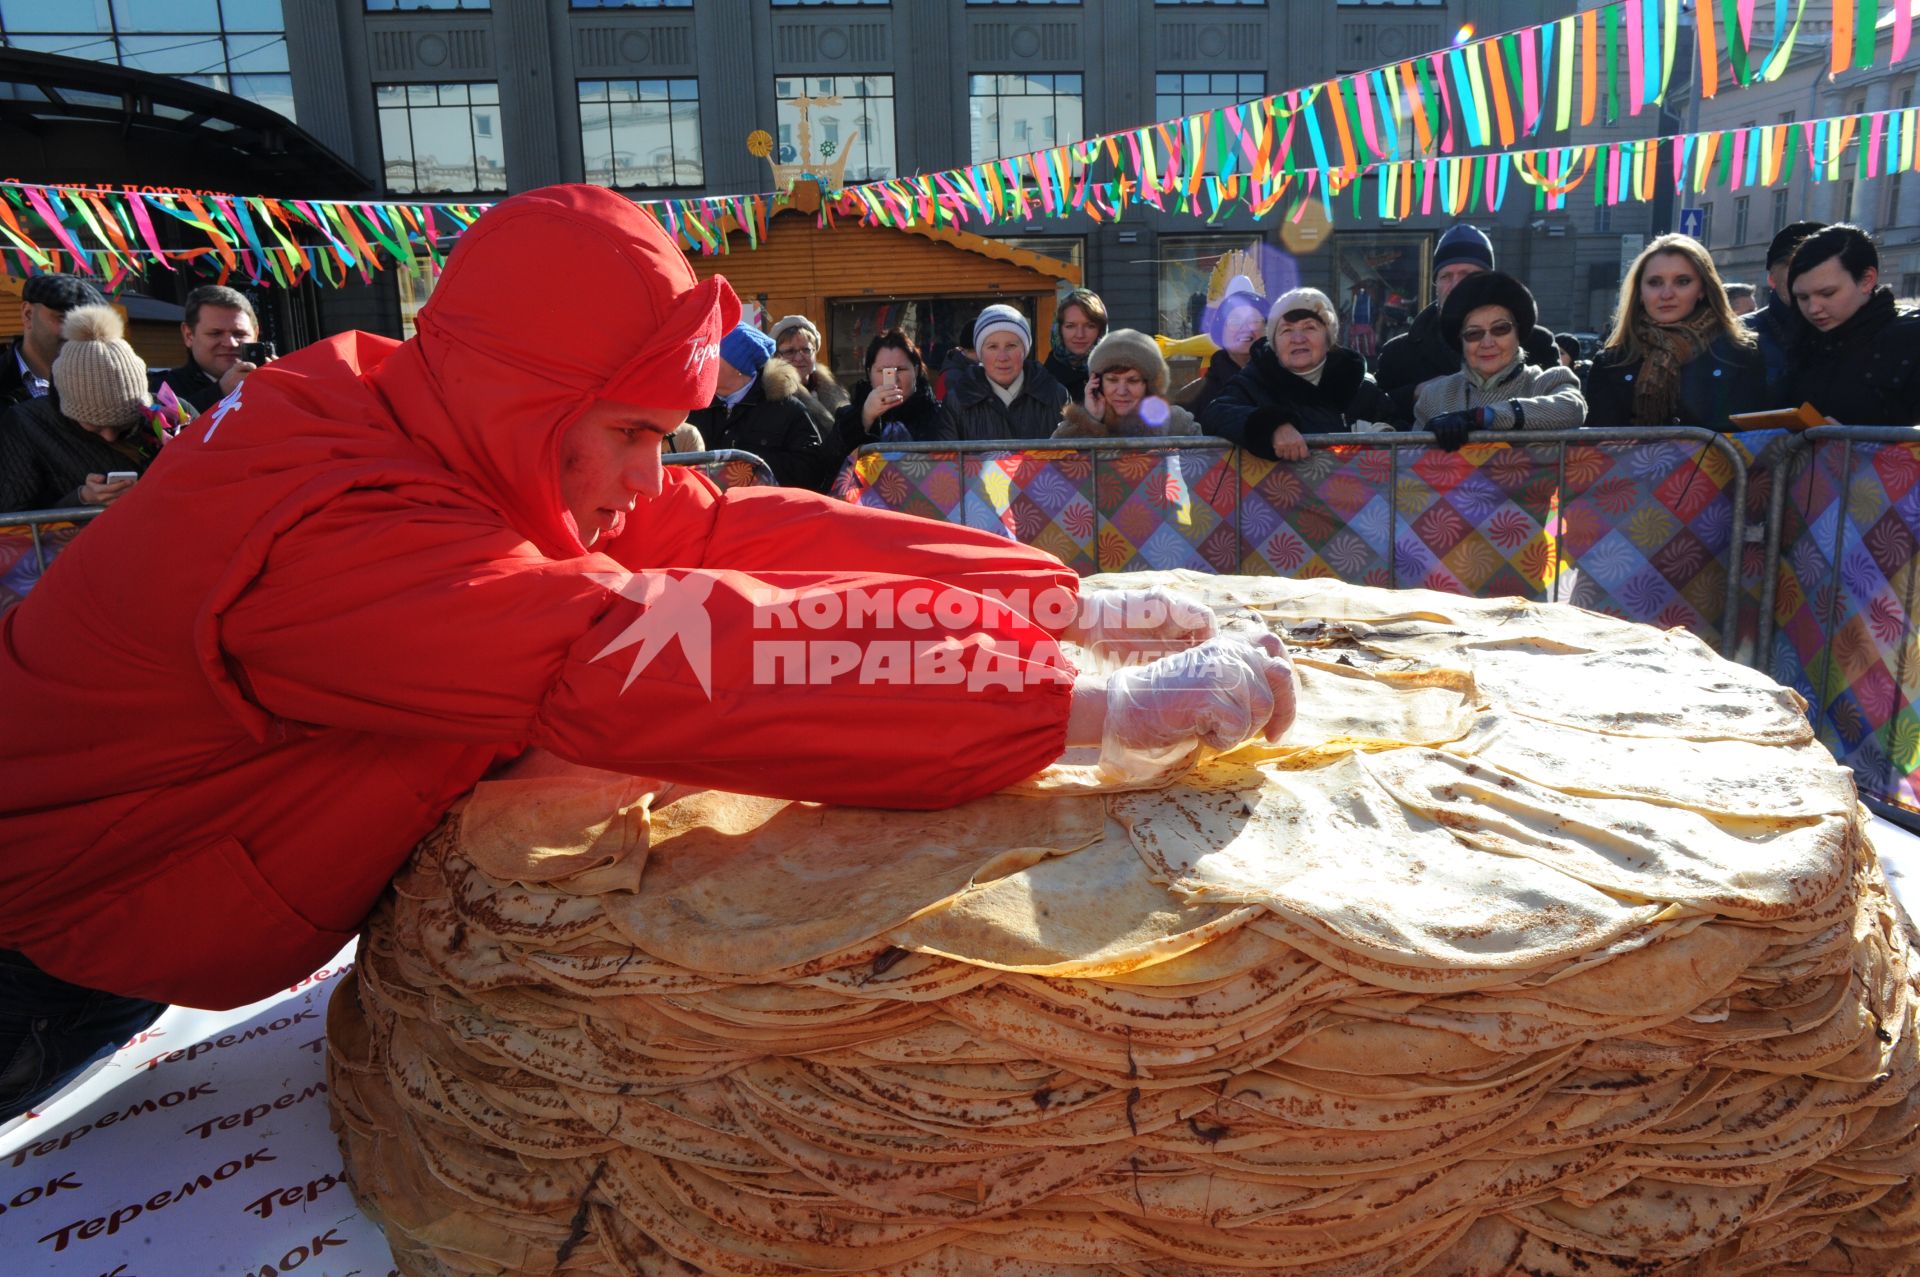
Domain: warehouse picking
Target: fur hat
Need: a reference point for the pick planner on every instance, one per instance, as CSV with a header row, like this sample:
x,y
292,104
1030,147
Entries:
x,y
1463,243
746,348
1130,348
99,379
790,322
1304,299
1488,288
1002,318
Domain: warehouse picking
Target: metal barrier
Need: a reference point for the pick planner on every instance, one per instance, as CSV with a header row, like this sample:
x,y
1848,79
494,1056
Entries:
x,y
728,467
1840,596
38,522
1643,523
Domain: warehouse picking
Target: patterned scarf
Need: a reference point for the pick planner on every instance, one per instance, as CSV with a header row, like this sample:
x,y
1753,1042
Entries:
x,y
1667,348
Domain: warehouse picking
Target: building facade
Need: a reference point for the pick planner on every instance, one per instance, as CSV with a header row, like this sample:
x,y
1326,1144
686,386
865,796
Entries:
x,y
478,98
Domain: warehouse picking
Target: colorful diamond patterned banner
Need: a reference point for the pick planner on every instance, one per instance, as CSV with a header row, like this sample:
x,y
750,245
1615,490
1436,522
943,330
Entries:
x,y
1847,593
1639,530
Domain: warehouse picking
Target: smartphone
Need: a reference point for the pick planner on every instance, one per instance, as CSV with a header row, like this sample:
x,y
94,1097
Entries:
x,y
116,476
887,377
257,352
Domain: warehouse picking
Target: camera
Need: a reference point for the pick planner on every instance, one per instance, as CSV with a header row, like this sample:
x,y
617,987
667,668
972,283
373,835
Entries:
x,y
257,352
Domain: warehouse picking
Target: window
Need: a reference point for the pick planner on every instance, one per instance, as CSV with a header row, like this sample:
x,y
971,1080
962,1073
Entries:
x,y
630,4
1177,93
391,6
235,46
837,124
1014,114
1894,177
791,4
1845,211
1023,1
1062,248
1187,285
1392,4
1706,225
1910,285
1741,207
440,137
1603,219
641,132
1218,2
1779,211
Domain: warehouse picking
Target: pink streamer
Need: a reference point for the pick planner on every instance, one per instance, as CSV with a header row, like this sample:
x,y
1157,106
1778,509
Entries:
x,y
1873,146
1737,168
40,206
1426,192
1746,23
1902,28
137,205
1363,99
1446,101
1530,102
1636,56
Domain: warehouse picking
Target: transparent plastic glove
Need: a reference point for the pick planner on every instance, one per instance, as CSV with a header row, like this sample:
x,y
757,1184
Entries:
x,y
1221,694
1127,624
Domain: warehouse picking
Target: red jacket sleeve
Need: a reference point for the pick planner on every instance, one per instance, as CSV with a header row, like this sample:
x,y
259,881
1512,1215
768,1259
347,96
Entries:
x,y
695,524
846,686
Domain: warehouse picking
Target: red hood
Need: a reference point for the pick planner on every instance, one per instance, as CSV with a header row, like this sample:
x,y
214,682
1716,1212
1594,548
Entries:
x,y
552,300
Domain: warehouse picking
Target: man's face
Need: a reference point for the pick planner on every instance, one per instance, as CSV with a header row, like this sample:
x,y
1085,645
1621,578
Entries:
x,y
729,380
609,459
1829,297
215,341
1741,303
41,329
1452,273
796,348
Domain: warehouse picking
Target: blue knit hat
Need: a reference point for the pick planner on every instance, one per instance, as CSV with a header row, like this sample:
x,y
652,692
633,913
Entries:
x,y
1463,243
746,348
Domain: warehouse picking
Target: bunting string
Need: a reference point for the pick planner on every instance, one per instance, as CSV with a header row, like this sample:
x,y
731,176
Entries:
x,y
1437,131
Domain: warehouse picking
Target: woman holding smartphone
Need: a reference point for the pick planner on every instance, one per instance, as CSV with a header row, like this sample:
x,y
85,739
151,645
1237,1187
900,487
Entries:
x,y
84,444
894,403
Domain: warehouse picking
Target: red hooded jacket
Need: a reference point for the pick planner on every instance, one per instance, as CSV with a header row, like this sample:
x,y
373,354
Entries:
x,y
237,702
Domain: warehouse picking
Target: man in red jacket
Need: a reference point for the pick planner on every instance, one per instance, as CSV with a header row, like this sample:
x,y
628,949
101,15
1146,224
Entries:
x,y
376,569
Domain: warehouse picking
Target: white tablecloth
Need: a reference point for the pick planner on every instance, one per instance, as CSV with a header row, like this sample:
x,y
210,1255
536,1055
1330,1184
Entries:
x,y
203,1148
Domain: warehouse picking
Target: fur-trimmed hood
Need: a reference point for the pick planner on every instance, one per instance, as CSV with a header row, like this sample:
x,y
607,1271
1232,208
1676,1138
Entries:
x,y
779,379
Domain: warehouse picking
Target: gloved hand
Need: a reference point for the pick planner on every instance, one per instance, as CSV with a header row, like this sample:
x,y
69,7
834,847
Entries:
x,y
1221,694
1127,623
1450,429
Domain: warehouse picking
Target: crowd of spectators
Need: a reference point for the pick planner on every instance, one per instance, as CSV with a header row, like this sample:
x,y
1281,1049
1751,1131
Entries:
x,y
1686,348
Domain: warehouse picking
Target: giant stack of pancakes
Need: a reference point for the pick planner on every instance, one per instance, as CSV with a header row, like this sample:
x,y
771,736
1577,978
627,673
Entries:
x,y
1544,943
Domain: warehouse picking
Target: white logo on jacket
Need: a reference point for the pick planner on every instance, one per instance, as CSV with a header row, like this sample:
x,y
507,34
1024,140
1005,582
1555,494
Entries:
x,y
220,410
672,608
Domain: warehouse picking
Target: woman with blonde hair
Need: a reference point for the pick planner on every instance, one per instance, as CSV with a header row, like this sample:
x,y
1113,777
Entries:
x,y
1677,355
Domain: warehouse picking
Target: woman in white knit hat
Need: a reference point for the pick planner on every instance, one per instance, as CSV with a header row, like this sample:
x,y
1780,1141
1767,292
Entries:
x,y
63,449
1299,381
1007,395
1126,395
797,340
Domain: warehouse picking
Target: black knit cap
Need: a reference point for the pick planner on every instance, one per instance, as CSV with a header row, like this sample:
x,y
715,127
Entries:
x,y
1488,288
1781,249
61,292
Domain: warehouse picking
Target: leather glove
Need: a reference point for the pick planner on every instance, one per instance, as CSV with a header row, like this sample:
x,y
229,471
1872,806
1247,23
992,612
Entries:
x,y
1450,429
1129,623
1221,694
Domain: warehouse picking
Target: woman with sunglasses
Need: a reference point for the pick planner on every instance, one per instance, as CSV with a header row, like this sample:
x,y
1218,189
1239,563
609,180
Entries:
x,y
1677,356
1497,389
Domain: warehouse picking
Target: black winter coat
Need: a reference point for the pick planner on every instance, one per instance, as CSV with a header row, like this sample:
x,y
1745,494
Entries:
x,y
1725,379
191,384
13,383
1777,326
918,419
1866,372
1070,373
1419,354
1204,389
44,458
778,422
978,413
1266,395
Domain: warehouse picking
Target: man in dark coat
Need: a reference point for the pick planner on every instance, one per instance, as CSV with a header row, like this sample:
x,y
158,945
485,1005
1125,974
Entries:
x,y
26,370
1007,395
1420,354
761,407
218,325
1777,326
1859,363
